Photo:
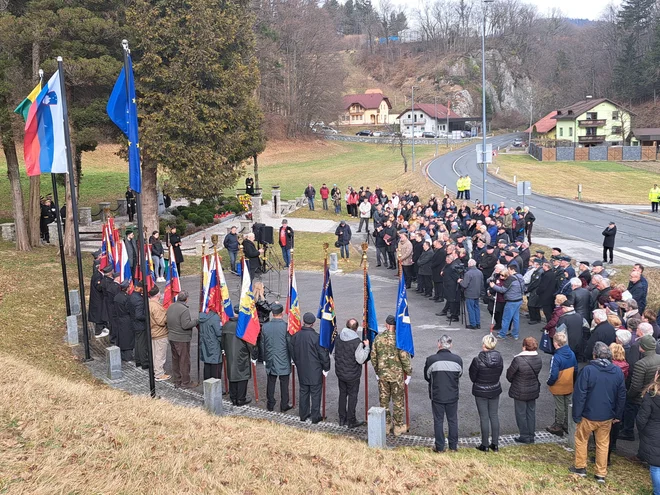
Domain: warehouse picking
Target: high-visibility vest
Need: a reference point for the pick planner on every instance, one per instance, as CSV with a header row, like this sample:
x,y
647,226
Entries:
x,y
468,183
459,185
654,194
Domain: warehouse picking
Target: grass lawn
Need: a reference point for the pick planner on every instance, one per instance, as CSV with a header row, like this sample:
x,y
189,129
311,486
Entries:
x,y
105,177
344,164
602,182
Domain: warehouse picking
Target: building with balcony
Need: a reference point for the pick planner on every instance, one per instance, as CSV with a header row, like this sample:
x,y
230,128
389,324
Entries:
x,y
370,108
429,117
592,122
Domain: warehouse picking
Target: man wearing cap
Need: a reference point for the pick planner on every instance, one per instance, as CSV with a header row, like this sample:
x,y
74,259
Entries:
x,y
109,289
95,309
122,325
532,280
350,354
392,366
286,241
597,268
472,283
487,261
609,235
179,325
139,320
278,353
159,342
239,355
565,263
574,326
585,273
313,363
406,257
540,254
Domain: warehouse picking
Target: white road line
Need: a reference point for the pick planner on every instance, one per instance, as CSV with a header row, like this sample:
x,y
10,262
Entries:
x,y
640,253
635,259
649,248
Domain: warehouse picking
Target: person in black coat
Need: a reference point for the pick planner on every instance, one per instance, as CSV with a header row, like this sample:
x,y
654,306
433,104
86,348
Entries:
x,y
648,425
603,332
139,321
175,242
95,308
313,363
485,372
609,234
523,374
131,250
350,354
131,204
109,288
452,271
122,324
545,291
343,233
424,272
251,254
437,264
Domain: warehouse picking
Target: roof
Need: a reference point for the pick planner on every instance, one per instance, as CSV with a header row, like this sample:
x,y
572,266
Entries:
x,y
546,124
367,101
578,108
647,133
430,110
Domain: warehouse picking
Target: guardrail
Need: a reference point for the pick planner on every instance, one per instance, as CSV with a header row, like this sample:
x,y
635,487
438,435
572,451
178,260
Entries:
x,y
390,140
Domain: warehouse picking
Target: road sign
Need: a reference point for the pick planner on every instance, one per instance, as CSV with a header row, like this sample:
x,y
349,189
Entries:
x,y
524,188
489,153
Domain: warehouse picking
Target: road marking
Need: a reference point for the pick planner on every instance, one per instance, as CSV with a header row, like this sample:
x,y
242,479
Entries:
x,y
649,248
640,253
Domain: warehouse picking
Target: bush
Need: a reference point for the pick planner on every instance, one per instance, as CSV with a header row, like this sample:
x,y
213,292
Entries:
x,y
186,213
176,212
181,208
162,227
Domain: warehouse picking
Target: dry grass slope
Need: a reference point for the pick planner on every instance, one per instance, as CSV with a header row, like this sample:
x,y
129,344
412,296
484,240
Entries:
x,y
63,437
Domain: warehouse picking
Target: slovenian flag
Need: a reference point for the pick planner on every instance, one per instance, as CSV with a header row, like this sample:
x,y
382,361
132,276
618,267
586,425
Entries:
x,y
247,327
326,314
404,338
122,265
211,293
24,107
293,304
44,145
172,283
370,330
227,307
122,110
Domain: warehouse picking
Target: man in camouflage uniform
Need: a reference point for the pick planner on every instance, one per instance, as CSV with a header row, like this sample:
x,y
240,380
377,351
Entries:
x,y
390,365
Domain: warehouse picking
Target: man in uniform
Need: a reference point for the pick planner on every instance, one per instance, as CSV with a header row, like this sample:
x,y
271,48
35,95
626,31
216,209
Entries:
x,y
139,320
95,309
277,352
45,218
131,204
392,367
109,289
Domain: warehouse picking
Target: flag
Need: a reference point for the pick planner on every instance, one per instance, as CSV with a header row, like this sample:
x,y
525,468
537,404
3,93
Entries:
x,y
404,338
211,293
44,146
371,329
172,283
151,272
122,265
227,307
122,110
24,107
326,314
293,305
247,327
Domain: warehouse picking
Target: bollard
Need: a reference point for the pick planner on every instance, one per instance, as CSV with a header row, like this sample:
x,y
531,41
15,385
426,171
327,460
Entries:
x,y
72,330
213,396
515,179
122,208
334,262
571,426
376,428
8,231
245,226
85,215
113,362
256,207
444,190
74,299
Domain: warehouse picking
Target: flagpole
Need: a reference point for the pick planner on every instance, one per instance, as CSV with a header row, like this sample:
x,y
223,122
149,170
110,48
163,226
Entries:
x,y
325,281
60,240
293,365
140,242
74,207
214,242
365,330
201,302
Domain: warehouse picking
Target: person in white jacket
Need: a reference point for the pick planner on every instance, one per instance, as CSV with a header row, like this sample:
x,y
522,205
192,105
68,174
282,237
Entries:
x,y
365,214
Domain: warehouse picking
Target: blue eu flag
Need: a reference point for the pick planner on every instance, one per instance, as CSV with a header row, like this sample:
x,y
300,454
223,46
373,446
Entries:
x,y
122,110
372,321
404,338
328,325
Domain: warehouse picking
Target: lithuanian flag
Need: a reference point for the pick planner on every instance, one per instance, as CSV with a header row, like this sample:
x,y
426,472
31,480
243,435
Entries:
x,y
24,107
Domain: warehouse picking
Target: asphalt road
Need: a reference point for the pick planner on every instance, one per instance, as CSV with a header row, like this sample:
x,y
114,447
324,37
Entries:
x,y
637,237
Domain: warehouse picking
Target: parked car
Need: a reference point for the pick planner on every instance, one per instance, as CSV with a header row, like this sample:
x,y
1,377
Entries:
x,y
518,143
365,132
377,134
329,130
428,135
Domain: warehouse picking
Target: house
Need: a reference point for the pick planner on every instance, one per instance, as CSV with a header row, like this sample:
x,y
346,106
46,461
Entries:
x,y
591,122
370,108
544,129
646,136
429,117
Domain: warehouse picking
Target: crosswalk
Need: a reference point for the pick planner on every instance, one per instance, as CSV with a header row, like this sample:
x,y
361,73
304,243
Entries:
x,y
646,255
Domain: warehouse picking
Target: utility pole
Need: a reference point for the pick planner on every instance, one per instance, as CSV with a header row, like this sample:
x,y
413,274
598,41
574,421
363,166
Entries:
x,y
435,119
483,100
412,106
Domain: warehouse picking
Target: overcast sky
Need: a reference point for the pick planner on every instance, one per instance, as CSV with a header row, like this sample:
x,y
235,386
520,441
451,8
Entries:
x,y
578,9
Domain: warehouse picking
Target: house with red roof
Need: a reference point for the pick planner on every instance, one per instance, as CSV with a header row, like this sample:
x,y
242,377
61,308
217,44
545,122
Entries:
x,y
546,128
369,108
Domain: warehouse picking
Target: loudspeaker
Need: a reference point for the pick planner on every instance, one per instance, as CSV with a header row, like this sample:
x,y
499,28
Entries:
x,y
257,230
267,234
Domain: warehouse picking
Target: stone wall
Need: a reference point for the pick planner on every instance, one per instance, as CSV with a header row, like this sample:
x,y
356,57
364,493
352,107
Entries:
x,y
593,153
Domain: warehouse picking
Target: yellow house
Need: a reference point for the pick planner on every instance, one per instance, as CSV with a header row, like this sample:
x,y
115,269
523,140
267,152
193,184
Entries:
x,y
591,122
370,108
544,129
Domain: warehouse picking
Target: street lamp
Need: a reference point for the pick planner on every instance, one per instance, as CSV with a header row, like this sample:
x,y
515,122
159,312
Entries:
x,y
483,99
412,113
435,118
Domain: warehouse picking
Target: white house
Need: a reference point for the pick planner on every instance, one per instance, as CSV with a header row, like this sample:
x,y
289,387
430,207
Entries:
x,y
427,117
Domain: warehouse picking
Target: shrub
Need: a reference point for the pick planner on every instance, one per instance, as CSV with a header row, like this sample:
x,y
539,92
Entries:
x,y
176,212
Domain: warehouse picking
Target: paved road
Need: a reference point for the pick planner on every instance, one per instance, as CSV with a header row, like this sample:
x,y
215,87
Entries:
x,y
637,238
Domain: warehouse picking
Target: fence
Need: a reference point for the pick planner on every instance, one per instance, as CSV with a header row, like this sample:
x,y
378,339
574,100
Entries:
x,y
594,153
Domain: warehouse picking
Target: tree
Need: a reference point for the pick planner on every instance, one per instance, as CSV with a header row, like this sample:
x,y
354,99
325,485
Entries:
x,y
196,76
